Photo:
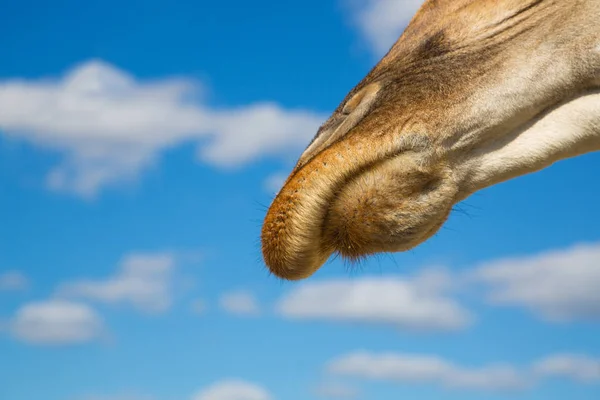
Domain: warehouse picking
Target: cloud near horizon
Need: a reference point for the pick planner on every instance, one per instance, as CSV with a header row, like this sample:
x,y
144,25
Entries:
x,y
558,286
56,322
108,127
233,389
13,281
577,367
426,369
418,303
336,390
241,303
125,396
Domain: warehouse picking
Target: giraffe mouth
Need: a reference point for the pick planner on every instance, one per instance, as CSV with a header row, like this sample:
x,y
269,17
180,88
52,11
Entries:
x,y
386,204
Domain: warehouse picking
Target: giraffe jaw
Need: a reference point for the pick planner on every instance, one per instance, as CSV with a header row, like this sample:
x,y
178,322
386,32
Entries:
x,y
392,205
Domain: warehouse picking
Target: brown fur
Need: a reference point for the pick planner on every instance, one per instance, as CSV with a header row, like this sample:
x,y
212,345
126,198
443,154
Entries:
x,y
380,174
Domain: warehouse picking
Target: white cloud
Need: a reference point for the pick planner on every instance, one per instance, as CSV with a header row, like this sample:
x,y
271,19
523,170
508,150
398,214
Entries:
x,y
558,285
240,303
570,366
109,126
336,391
381,22
233,389
426,370
247,133
13,280
417,303
126,396
143,280
56,322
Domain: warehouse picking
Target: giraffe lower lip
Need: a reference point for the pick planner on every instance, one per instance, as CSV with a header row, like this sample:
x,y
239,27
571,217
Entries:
x,y
294,243
379,209
385,209
302,253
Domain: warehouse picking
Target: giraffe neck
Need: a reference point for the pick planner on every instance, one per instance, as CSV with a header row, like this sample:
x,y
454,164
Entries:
x,y
569,130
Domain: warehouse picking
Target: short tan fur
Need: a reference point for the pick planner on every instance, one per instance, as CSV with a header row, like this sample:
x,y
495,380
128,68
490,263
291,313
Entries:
x,y
474,92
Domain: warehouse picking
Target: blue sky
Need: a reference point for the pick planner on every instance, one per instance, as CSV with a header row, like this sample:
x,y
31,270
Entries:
x,y
140,144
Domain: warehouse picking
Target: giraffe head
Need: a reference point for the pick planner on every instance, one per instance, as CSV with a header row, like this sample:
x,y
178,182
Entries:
x,y
442,115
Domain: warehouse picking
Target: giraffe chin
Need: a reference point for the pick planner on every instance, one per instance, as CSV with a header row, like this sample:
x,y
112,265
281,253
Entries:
x,y
390,207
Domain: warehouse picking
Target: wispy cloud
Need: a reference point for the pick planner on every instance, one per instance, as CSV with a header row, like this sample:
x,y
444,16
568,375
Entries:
x,y
381,22
56,322
144,281
419,303
559,285
336,390
240,303
426,369
109,126
575,367
233,389
13,281
122,396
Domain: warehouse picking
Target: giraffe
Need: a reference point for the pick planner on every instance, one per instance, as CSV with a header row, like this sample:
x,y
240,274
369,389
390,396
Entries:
x,y
473,93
